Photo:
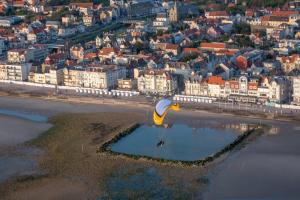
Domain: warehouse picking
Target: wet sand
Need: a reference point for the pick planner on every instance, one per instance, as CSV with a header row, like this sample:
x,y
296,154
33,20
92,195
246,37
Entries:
x,y
267,168
15,131
16,160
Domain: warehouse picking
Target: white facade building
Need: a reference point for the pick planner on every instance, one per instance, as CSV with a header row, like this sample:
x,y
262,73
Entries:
x,y
103,77
157,82
14,72
296,90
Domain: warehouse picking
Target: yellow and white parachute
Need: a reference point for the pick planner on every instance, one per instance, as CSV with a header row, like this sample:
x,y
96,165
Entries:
x,y
161,110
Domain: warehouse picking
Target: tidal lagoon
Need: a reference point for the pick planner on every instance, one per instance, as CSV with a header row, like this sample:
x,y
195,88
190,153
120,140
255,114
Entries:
x,y
179,142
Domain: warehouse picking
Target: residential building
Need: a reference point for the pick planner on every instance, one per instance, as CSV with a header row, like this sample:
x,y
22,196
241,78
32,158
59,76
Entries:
x,y
100,77
213,46
77,52
37,52
279,90
88,20
14,72
46,75
6,21
85,8
279,18
139,9
296,90
68,20
196,86
127,84
161,22
289,63
17,56
157,82
217,15
215,83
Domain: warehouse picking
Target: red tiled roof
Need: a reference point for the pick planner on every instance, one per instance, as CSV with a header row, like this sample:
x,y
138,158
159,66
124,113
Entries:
x,y
213,45
242,62
234,84
70,62
18,2
218,13
135,33
90,55
290,59
171,46
252,86
227,52
265,18
278,18
190,50
213,5
284,13
57,56
107,50
82,5
249,13
38,30
216,80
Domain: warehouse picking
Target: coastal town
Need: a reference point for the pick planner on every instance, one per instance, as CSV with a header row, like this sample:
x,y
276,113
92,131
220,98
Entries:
x,y
224,51
149,99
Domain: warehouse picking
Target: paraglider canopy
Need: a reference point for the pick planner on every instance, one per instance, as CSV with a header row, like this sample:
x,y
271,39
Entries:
x,y
161,110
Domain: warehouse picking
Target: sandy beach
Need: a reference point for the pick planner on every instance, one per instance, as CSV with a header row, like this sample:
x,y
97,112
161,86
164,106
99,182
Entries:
x,y
264,169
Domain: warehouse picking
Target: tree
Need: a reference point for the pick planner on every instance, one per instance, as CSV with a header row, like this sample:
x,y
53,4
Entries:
x,y
242,28
236,10
58,2
160,32
244,41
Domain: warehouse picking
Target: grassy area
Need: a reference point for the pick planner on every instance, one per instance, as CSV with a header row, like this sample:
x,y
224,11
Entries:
x,y
73,167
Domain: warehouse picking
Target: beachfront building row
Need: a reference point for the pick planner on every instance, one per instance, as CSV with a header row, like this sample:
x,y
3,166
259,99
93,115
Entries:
x,y
102,76
240,89
160,82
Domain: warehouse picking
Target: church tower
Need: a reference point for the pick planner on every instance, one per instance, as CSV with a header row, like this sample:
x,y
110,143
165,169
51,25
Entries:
x,y
173,14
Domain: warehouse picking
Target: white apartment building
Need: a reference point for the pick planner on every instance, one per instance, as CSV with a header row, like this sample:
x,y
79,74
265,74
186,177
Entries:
x,y
17,56
161,22
50,75
279,90
157,82
14,72
296,90
100,77
194,87
88,20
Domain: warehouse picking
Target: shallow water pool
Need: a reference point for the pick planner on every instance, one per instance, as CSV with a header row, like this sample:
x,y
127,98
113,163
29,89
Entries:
x,y
181,142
